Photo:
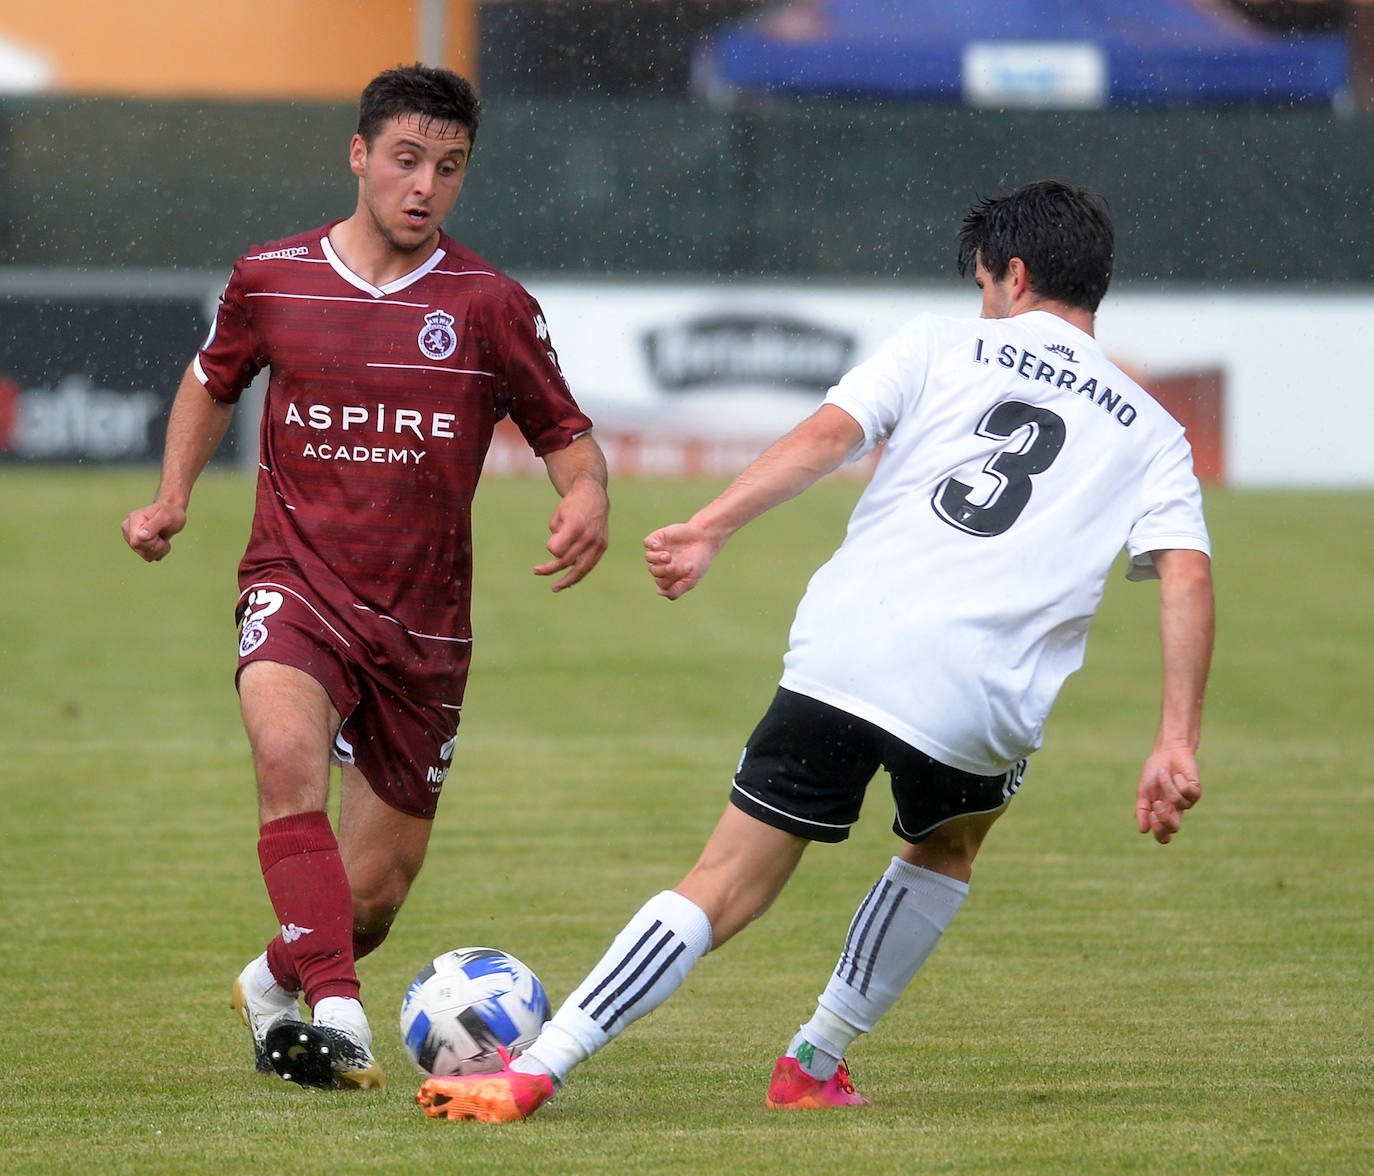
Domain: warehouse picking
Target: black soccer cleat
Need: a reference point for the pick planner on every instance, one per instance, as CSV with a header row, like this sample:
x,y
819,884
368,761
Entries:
x,y
321,1056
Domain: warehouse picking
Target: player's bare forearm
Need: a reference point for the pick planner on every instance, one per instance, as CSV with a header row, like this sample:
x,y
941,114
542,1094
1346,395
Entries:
x,y
1186,630
580,460
679,556
579,528
1170,782
818,445
194,430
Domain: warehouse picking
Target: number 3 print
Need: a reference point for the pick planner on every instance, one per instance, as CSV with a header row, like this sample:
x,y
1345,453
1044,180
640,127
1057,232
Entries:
x,y
1012,468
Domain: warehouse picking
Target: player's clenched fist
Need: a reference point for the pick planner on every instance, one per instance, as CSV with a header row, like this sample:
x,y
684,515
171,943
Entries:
x,y
149,531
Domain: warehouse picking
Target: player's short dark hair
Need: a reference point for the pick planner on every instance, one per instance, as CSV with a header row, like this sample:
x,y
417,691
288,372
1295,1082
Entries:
x,y
1062,232
435,95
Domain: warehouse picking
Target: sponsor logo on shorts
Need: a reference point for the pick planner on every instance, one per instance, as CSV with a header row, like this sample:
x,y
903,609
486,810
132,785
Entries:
x,y
1011,782
436,775
262,603
252,635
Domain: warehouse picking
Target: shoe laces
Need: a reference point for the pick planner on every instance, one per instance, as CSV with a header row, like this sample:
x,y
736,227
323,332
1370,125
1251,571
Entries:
x,y
842,1077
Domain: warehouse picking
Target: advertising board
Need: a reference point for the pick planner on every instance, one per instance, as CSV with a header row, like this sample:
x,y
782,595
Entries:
x,y
89,363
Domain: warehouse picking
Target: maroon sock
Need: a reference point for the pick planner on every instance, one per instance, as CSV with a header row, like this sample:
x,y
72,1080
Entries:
x,y
305,878
283,967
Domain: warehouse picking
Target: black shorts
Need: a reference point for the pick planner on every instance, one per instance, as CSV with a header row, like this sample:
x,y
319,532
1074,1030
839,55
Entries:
x,y
807,765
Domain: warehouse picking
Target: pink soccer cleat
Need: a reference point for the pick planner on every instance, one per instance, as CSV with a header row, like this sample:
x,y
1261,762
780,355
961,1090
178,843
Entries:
x,y
794,1087
503,1097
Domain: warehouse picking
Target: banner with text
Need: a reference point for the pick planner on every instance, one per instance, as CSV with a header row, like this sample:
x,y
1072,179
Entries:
x,y
89,367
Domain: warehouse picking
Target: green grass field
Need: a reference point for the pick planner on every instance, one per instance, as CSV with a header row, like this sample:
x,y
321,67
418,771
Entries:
x,y
1101,1005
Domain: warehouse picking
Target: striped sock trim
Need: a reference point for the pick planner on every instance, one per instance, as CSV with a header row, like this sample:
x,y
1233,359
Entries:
x,y
657,946
867,932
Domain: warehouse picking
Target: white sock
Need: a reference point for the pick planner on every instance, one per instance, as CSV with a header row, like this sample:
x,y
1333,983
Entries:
x,y
343,1012
893,932
820,1045
267,983
645,964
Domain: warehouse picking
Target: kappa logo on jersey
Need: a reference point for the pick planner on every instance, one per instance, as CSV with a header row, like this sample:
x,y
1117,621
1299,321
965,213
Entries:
x,y
437,774
438,340
290,932
262,603
541,332
275,254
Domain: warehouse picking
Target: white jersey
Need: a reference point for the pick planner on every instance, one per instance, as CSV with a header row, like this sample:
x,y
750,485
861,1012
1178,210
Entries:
x,y
1018,461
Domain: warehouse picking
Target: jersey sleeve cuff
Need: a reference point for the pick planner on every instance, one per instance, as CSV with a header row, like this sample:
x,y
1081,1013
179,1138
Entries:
x,y
214,391
1142,564
862,417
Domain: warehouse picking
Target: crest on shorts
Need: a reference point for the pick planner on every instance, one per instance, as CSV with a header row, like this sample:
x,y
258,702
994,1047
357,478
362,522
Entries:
x,y
253,634
260,604
438,340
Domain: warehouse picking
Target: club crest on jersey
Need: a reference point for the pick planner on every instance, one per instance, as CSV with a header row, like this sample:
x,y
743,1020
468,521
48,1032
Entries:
x,y
438,340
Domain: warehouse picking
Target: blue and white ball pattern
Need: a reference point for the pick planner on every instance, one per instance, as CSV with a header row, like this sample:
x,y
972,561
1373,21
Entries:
x,y
468,1005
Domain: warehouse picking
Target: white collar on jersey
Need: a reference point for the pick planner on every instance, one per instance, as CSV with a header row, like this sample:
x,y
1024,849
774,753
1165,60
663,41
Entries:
x,y
367,287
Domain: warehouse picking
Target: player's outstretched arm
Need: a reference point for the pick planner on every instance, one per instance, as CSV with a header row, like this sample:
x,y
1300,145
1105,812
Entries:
x,y
194,430
678,556
1170,783
578,529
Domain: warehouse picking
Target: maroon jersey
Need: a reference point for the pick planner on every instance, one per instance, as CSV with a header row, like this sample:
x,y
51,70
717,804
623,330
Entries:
x,y
379,412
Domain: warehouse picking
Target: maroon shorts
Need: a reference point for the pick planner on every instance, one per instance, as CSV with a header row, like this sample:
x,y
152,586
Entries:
x,y
402,745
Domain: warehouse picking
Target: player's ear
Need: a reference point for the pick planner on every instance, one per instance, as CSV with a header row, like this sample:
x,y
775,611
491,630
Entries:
x,y
1020,278
357,156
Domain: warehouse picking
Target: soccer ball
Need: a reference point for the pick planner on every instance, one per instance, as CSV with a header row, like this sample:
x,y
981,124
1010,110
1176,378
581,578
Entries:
x,y
466,1006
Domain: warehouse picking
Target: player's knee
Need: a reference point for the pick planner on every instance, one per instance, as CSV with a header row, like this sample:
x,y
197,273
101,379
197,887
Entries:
x,y
288,766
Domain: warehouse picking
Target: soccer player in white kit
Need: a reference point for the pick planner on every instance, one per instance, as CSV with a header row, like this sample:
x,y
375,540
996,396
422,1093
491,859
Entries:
x,y
1017,462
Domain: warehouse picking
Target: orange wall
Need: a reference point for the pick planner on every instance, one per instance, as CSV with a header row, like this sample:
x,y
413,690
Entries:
x,y
307,49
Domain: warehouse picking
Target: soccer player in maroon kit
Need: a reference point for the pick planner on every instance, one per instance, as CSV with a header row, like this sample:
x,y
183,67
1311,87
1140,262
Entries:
x,y
393,353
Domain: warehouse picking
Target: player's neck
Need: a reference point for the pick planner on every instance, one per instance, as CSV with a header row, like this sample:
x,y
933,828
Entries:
x,y
371,256
1073,315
